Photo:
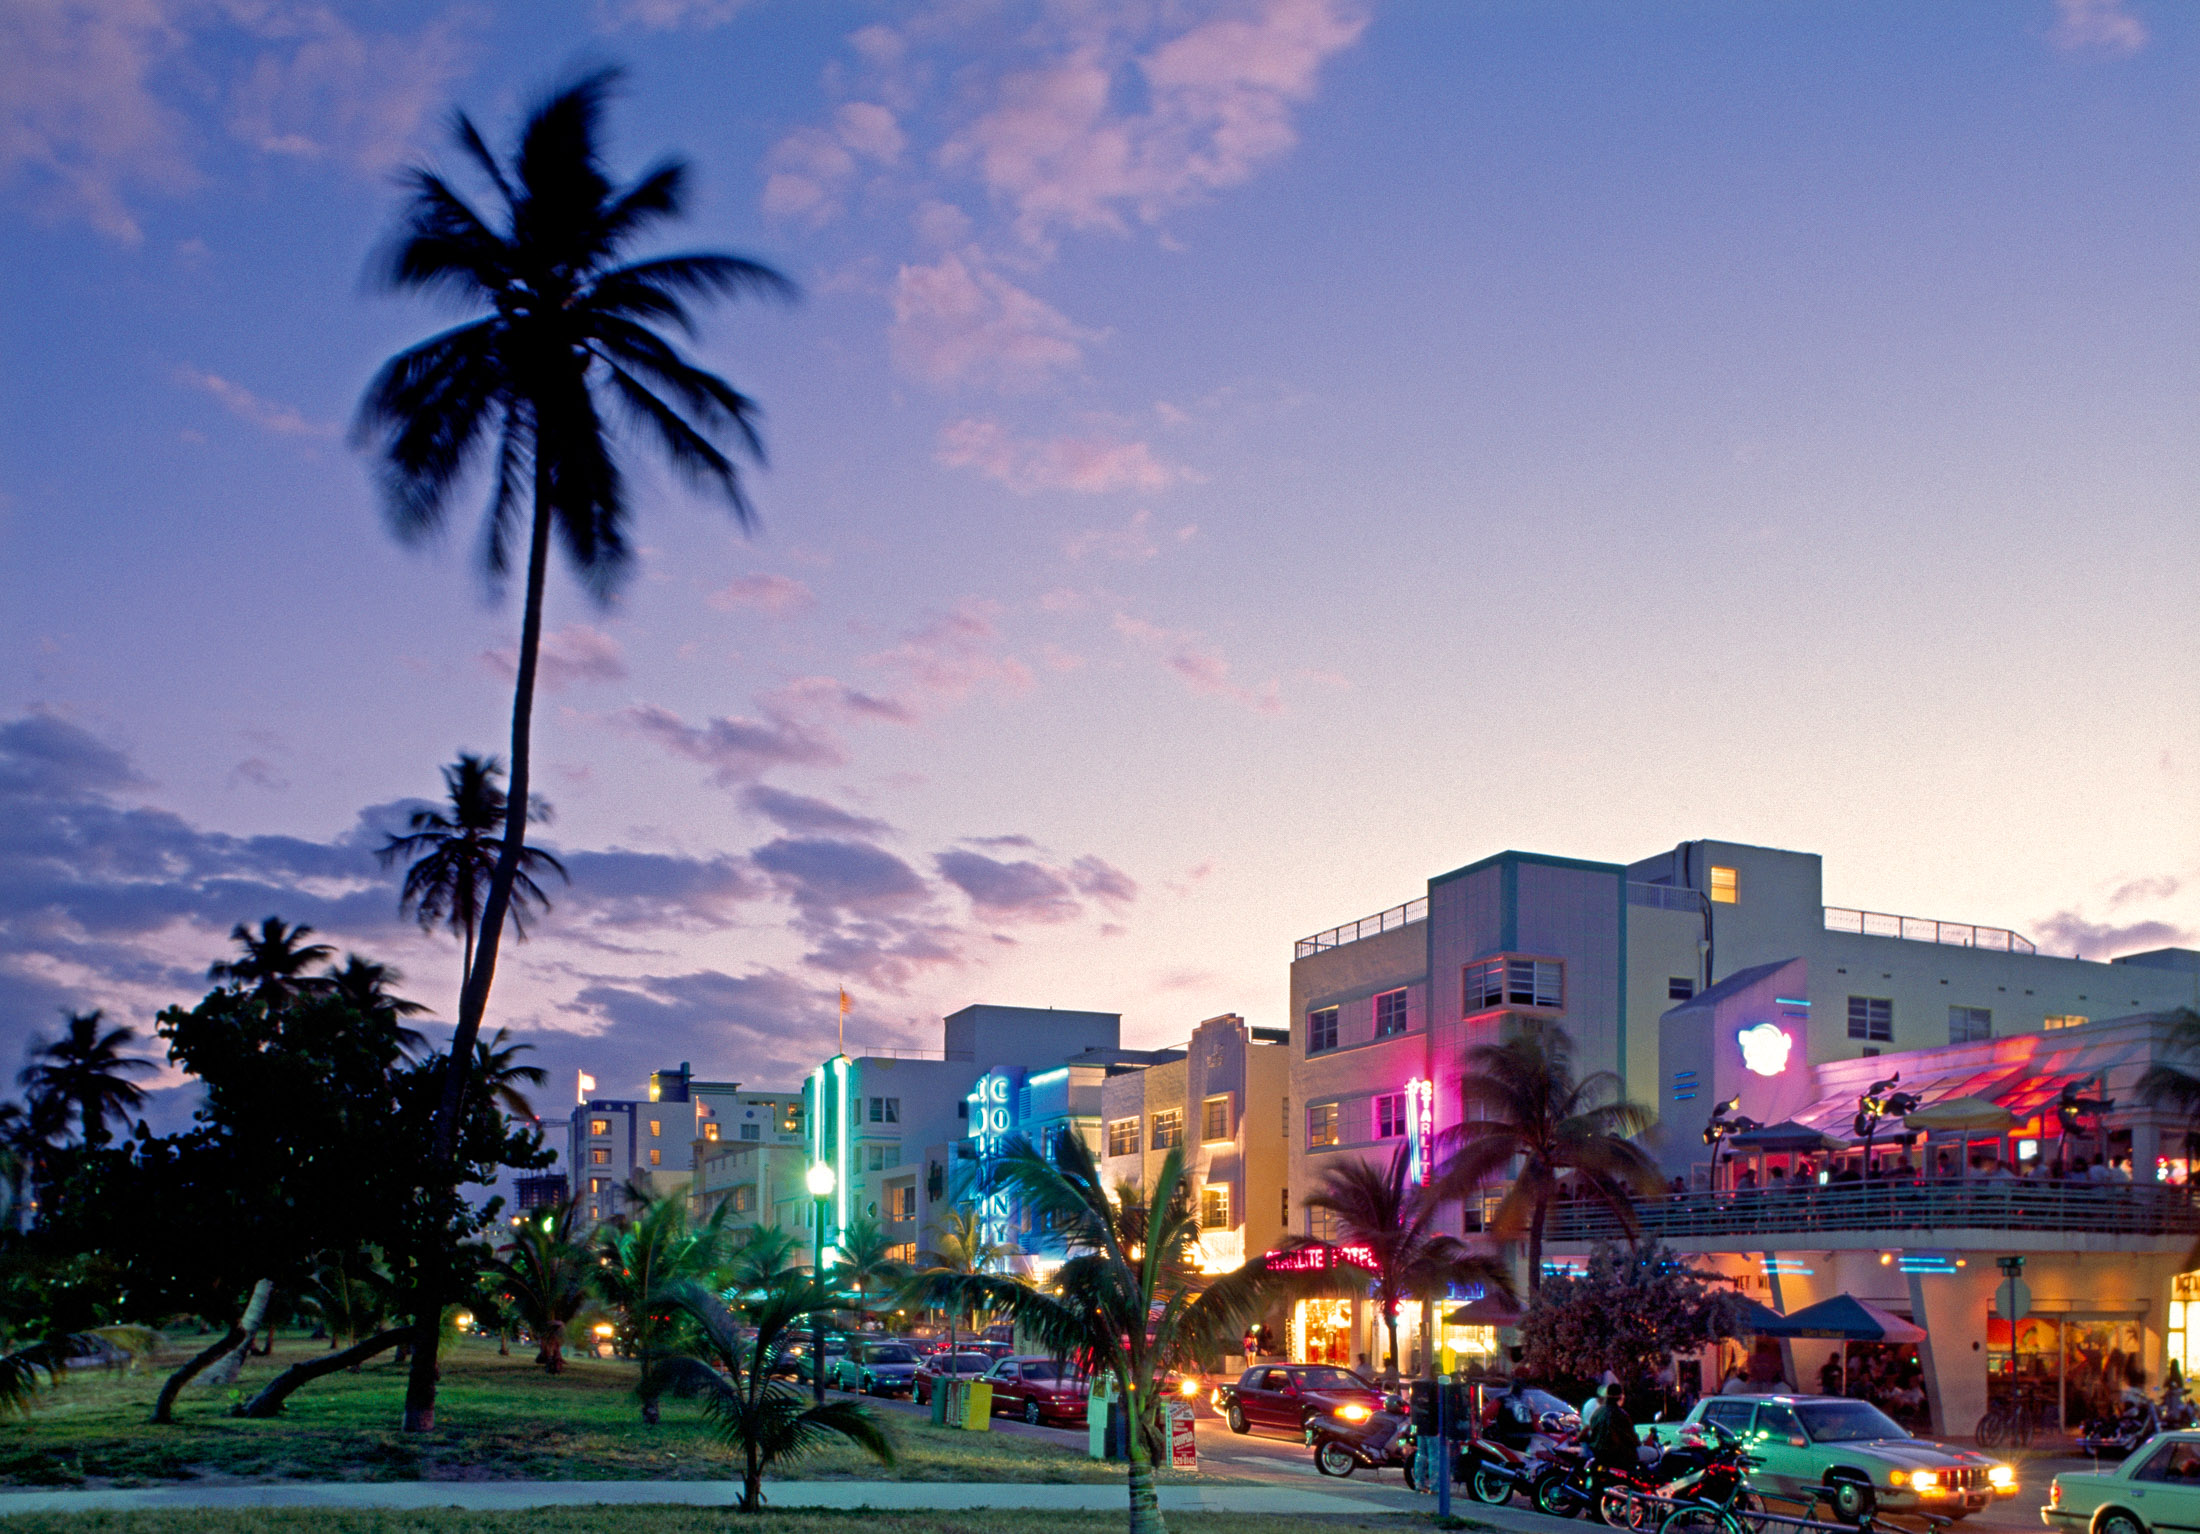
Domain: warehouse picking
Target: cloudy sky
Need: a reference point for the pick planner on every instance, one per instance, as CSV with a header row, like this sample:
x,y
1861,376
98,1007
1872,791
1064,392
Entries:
x,y
1232,461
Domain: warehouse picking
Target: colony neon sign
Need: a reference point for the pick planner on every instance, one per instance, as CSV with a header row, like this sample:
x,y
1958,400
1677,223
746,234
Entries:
x,y
988,1126
1420,1128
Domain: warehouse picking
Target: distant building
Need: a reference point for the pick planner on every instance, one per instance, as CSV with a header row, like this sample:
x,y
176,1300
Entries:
x,y
545,1190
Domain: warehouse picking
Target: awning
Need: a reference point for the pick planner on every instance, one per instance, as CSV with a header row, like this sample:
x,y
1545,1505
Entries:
x,y
1789,1136
1846,1318
1959,1113
1487,1311
2022,1088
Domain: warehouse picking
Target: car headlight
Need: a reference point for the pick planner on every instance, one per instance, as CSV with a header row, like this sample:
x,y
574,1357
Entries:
x,y
1925,1480
2001,1476
1189,1390
1354,1412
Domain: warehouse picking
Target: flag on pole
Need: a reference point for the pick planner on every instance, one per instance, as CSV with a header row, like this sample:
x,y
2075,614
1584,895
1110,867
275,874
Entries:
x,y
844,1004
582,1087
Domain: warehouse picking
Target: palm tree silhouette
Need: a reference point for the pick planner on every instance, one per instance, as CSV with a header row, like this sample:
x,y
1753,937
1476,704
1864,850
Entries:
x,y
1541,1129
84,1072
500,1075
567,339
454,855
274,962
1393,1218
364,985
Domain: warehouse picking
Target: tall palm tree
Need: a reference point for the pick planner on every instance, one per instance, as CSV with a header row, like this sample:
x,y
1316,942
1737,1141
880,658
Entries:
x,y
638,1262
1533,1124
542,1272
1394,1218
498,1073
86,1073
365,985
959,1246
1130,1302
274,962
765,1254
454,857
764,1420
567,338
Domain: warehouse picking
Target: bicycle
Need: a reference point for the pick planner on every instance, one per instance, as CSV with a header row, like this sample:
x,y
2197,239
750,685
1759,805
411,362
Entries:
x,y
2012,1420
1708,1518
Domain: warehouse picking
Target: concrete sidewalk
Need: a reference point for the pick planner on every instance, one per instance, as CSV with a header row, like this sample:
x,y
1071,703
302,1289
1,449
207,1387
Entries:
x,y
503,1496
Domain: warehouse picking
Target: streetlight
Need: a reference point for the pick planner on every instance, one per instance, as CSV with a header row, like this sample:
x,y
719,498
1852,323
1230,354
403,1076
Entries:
x,y
820,1180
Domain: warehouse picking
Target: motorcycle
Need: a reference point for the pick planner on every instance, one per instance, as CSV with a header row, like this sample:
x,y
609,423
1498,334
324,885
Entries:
x,y
1374,1440
2114,1437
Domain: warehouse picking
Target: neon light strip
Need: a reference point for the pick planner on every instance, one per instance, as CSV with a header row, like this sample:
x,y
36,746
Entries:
x,y
847,1134
1790,1001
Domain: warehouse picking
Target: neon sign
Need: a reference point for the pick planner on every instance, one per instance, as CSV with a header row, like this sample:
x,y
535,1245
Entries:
x,y
989,1125
1420,1128
1765,1048
1322,1258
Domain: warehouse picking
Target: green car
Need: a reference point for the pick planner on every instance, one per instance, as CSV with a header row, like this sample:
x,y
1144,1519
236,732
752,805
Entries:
x,y
1874,1462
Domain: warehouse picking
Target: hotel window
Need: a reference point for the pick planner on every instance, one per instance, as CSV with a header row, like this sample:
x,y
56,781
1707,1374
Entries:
x,y
710,1130
1214,1118
885,1110
596,1185
656,1129
1390,1116
2063,1020
1871,1017
1168,1129
744,1199
904,1203
1970,1025
656,1156
1509,982
1321,1125
600,1156
893,1157
1321,1030
748,1131
790,1122
599,1126
1214,1206
1122,1137
878,1158
1680,988
1390,1014
1726,885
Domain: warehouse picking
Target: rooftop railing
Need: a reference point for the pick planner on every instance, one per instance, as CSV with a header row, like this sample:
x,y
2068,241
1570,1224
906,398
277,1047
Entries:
x,y
1920,929
1665,897
2130,1209
1367,926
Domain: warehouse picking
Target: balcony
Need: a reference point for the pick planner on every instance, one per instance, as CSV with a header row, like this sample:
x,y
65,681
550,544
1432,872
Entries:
x,y
1366,927
1921,929
1888,1210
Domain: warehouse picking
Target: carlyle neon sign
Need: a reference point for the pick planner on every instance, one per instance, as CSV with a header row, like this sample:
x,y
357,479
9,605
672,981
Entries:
x,y
1420,1128
1320,1259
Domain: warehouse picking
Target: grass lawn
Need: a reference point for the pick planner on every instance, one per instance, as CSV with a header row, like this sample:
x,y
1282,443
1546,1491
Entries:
x,y
659,1520
497,1419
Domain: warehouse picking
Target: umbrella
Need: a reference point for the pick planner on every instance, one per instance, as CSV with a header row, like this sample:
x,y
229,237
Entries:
x,y
1487,1311
1848,1319
1758,1318
1962,1113
1789,1136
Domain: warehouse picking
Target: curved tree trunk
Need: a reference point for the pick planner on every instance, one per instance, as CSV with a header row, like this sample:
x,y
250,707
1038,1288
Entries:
x,y
1145,1497
752,1481
473,1000
270,1400
230,1365
164,1404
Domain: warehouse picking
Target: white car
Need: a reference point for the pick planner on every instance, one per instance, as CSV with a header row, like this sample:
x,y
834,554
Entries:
x,y
2156,1490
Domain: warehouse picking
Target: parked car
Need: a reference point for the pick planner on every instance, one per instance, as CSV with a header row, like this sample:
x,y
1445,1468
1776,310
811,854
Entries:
x,y
1038,1389
876,1366
2156,1490
1873,1461
794,1359
1285,1398
943,1366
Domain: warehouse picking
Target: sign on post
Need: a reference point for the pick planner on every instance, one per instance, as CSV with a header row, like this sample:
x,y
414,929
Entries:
x,y
1183,1445
979,1416
2013,1299
1097,1405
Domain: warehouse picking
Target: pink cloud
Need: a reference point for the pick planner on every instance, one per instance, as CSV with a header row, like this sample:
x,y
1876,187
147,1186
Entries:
x,y
1089,465
775,595
807,172
1219,102
955,652
2098,24
1202,669
574,654
737,749
2068,932
267,414
958,321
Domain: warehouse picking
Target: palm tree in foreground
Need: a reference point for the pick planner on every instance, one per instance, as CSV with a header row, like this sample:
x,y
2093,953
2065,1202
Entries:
x,y
764,1420
639,1262
1394,1218
454,857
542,1272
566,340
85,1072
1531,1122
1130,1302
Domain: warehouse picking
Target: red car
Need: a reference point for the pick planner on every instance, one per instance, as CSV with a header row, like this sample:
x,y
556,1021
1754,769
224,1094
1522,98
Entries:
x,y
1283,1398
1038,1390
940,1366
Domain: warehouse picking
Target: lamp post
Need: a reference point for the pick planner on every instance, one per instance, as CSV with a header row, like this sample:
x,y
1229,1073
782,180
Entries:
x,y
820,1180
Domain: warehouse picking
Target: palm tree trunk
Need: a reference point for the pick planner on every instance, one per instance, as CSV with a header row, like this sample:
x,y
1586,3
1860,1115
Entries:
x,y
229,1365
1535,1246
752,1481
1145,1498
270,1399
164,1405
481,973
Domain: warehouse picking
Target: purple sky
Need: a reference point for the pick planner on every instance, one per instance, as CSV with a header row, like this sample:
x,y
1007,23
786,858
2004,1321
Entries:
x,y
1234,461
